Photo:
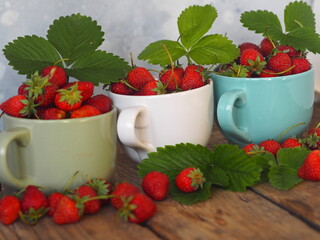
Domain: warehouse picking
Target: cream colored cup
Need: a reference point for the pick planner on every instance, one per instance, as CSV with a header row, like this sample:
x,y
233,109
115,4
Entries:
x,y
147,122
48,152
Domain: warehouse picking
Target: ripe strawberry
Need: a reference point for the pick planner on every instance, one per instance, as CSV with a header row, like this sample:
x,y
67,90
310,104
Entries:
x,y
121,88
92,206
190,179
156,185
53,200
180,71
191,80
301,65
288,50
101,102
51,113
9,209
67,211
249,45
56,75
18,106
291,143
153,87
171,81
194,67
312,141
138,77
310,169
84,111
267,73
251,148
122,190
102,187
86,88
138,208
280,63
271,146
68,99
250,57
33,198
266,46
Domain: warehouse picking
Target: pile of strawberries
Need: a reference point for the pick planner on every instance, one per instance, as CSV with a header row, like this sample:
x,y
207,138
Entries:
x,y
268,59
51,96
140,81
310,170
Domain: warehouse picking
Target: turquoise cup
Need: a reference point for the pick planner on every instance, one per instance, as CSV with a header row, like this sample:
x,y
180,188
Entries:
x,y
251,110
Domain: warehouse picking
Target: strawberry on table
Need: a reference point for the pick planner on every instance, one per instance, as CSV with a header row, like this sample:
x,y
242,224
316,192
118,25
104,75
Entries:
x,y
53,200
67,211
190,179
310,169
56,75
252,148
291,143
271,146
122,190
92,206
156,185
10,207
102,187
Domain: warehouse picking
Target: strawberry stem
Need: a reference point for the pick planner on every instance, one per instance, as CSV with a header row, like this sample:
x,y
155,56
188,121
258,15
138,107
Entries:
x,y
288,129
63,59
172,68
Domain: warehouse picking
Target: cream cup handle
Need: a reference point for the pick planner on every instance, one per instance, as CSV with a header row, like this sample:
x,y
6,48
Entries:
x,y
126,126
22,137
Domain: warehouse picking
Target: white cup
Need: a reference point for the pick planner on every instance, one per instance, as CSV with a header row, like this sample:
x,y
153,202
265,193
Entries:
x,y
147,122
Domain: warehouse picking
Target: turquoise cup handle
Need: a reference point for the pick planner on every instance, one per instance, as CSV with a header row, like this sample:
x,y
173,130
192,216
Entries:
x,y
225,113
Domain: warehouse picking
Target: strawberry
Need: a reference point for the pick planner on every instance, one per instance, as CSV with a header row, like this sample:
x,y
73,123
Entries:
x,y
251,148
33,198
101,102
138,208
10,207
85,111
121,88
194,67
267,73
280,63
53,200
291,143
17,106
92,206
266,47
249,45
156,185
250,57
190,179
312,141
271,146
102,187
288,50
310,169
122,190
301,65
191,80
171,80
68,99
138,77
86,88
67,211
51,113
153,87
179,70
56,75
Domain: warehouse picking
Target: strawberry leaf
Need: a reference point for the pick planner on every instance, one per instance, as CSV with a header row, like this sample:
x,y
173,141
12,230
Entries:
x,y
75,36
155,52
194,22
283,177
99,67
213,49
292,157
29,54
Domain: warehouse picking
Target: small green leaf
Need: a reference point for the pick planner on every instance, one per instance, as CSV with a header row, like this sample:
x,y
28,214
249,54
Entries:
x,y
99,67
29,54
75,36
213,49
283,177
292,157
155,52
194,22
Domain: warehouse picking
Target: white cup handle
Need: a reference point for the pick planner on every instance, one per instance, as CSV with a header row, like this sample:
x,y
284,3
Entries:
x,y
22,137
129,120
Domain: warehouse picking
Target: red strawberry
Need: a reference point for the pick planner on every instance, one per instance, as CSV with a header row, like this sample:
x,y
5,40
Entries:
x,y
151,88
301,65
171,81
250,57
53,200
180,71
251,147
102,187
121,88
267,73
85,111
9,209
56,75
288,50
92,206
249,45
67,211
100,102
138,77
310,169
156,185
190,179
16,106
191,80
280,63
271,146
194,67
51,113
266,46
291,143
68,99
33,198
138,208
86,88
312,140
122,190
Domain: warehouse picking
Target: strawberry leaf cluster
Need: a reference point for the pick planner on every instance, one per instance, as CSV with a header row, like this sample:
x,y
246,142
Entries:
x,y
193,23
73,38
299,26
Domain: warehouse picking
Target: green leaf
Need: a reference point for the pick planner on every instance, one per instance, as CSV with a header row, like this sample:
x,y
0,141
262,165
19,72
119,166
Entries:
x,y
283,177
242,169
194,22
29,54
218,176
299,14
75,36
99,67
292,157
213,49
155,52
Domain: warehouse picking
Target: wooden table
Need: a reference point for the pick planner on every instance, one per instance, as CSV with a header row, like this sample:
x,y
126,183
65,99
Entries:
x,y
259,213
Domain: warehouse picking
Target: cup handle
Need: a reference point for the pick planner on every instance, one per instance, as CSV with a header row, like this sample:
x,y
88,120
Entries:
x,y
22,137
225,114
127,124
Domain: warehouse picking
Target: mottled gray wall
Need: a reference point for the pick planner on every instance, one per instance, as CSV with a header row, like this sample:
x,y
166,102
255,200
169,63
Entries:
x,y
129,25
